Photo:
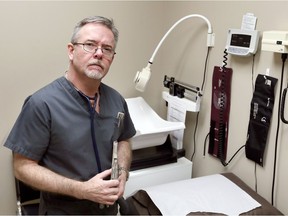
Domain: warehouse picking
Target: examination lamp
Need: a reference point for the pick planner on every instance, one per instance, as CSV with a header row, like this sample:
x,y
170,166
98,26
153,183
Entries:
x,y
142,77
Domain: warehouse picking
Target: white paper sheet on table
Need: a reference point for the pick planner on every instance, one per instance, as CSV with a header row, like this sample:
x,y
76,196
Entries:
x,y
213,193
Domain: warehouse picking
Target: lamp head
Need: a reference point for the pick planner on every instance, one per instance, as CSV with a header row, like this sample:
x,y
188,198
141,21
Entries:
x,y
142,77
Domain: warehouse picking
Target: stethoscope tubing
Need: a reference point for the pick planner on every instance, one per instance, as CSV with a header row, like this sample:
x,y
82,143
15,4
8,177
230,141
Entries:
x,y
92,111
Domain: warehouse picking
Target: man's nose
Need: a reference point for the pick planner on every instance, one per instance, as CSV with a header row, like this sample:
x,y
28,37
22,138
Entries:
x,y
98,52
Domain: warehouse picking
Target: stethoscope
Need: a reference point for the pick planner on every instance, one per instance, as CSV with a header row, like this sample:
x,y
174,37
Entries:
x,y
92,111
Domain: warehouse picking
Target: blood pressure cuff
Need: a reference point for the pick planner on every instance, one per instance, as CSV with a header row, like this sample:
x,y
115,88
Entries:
x,y
260,116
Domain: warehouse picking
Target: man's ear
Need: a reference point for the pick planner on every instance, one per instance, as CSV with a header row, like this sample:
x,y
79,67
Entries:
x,y
70,49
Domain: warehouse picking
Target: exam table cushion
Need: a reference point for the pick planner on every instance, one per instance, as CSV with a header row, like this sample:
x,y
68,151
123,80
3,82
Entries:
x,y
145,206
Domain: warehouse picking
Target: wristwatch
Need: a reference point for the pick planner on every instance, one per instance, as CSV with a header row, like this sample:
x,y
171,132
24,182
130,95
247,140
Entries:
x,y
126,171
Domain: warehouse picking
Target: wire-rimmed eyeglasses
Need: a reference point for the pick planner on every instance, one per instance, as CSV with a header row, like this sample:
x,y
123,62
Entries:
x,y
92,48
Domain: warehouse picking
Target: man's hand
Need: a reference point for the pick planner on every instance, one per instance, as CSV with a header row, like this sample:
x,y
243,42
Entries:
x,y
102,191
123,179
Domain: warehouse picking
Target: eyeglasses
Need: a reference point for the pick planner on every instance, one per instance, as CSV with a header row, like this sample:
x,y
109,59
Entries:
x,y
92,48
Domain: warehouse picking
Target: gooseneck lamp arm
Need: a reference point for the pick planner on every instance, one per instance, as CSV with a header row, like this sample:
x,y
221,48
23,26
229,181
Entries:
x,y
142,77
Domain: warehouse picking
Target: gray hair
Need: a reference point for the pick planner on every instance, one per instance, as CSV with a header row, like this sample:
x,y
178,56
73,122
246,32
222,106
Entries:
x,y
109,23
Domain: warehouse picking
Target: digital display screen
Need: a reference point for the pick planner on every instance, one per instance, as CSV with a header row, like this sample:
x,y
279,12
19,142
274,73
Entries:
x,y
240,40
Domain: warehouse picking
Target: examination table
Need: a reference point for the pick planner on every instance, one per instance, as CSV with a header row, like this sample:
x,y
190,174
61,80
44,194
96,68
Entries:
x,y
141,202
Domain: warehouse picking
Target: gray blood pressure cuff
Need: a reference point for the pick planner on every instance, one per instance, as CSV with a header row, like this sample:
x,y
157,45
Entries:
x,y
260,116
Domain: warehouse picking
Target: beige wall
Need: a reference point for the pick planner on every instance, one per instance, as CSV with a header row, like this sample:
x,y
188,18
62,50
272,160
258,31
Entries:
x,y
33,53
187,64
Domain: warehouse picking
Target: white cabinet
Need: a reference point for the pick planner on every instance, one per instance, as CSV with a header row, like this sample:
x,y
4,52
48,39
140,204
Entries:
x,y
139,179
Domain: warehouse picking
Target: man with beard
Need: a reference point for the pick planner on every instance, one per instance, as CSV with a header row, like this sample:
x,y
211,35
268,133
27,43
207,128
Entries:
x,y
62,140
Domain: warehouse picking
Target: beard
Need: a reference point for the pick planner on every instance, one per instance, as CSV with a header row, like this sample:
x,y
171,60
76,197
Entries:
x,y
94,74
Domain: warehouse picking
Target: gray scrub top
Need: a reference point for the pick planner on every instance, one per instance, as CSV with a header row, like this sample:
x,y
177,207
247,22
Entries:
x,y
54,128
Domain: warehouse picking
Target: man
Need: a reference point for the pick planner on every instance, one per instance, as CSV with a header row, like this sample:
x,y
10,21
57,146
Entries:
x,y
62,140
